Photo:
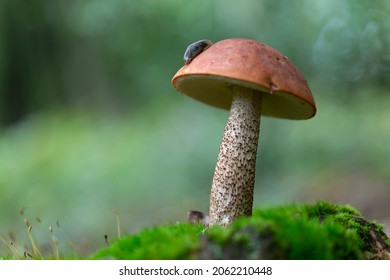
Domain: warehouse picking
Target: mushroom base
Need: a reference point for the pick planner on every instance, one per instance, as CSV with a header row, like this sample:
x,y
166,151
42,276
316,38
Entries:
x,y
234,176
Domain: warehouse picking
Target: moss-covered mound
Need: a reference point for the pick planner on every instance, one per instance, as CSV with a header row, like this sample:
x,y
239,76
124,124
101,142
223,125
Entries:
x,y
318,231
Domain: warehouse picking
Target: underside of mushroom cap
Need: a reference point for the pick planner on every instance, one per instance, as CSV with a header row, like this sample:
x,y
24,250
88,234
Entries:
x,y
250,64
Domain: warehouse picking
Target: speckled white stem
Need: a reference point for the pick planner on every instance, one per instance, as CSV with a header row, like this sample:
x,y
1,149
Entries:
x,y
234,176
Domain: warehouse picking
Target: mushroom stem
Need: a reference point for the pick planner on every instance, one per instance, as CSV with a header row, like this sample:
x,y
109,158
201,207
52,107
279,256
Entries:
x,y
234,176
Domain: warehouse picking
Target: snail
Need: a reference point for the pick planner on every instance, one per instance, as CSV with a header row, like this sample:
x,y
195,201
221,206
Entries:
x,y
197,217
194,49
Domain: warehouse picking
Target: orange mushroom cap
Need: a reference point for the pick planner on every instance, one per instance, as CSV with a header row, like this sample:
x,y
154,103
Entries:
x,y
250,64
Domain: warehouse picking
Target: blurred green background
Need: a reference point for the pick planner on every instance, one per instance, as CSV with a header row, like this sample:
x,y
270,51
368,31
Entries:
x,y
90,124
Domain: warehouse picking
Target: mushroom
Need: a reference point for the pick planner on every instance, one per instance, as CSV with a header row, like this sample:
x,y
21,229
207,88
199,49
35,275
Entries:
x,y
251,79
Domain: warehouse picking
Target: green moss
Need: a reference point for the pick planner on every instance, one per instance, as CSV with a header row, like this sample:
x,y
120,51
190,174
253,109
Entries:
x,y
285,233
317,231
371,237
165,242
325,208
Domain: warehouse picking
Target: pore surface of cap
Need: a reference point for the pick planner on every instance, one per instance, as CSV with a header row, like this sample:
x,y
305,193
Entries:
x,y
247,63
